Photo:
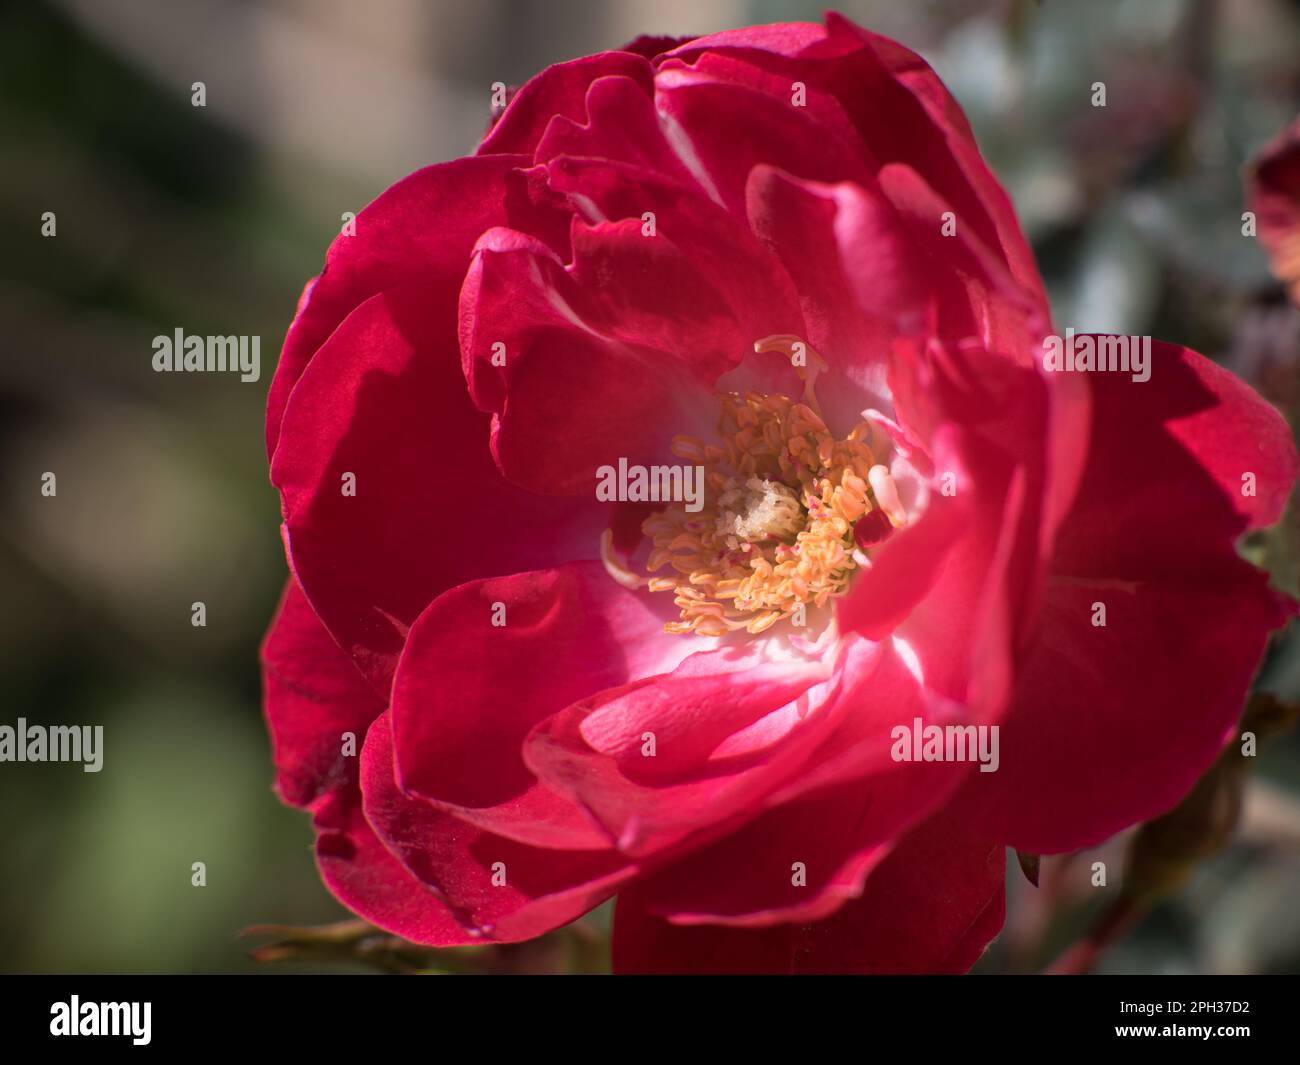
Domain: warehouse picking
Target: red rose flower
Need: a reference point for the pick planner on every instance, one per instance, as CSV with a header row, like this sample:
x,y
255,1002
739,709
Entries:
x,y
928,599
1275,199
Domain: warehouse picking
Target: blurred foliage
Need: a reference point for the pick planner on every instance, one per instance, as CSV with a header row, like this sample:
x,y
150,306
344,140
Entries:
x,y
213,218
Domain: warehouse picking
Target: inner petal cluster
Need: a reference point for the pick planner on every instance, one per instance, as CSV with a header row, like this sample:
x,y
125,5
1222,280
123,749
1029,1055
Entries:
x,y
776,534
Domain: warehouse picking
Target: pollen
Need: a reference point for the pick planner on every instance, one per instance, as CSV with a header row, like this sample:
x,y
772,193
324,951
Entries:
x,y
781,497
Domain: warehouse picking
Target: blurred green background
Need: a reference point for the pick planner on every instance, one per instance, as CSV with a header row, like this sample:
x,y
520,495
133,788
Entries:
x,y
212,218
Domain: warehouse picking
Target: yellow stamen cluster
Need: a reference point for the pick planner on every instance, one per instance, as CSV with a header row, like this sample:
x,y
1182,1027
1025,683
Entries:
x,y
781,496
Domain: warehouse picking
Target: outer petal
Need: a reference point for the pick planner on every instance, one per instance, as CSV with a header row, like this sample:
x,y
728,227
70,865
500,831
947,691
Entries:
x,y
931,906
420,230
312,695
495,887
1114,724
761,128
384,399
915,74
468,690
369,881
1196,429
801,860
893,102
622,124
975,297
780,38
559,90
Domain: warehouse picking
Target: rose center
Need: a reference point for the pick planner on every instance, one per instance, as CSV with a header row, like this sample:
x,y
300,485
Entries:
x,y
753,510
776,535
